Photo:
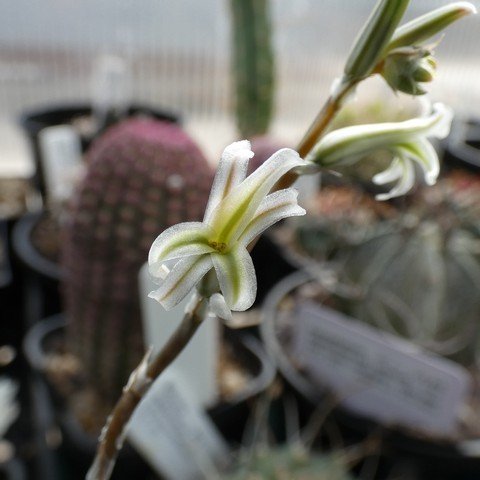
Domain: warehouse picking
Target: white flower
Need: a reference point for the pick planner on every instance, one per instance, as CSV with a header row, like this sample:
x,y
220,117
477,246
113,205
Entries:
x,y
239,209
407,141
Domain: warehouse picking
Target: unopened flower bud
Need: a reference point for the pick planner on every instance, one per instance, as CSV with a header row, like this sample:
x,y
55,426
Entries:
x,y
424,72
432,23
406,68
374,38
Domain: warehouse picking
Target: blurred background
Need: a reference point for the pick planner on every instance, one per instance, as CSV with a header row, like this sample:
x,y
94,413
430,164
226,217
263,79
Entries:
x,y
190,65
178,56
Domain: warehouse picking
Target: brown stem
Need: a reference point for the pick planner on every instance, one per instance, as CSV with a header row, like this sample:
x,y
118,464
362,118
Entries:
x,y
110,443
317,129
318,126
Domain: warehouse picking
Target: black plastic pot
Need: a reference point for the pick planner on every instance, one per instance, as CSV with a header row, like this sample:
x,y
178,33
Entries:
x,y
78,448
12,470
271,265
5,268
462,147
433,459
28,254
36,120
41,275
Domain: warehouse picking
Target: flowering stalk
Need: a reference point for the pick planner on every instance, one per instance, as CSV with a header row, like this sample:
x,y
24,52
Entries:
x,y
213,254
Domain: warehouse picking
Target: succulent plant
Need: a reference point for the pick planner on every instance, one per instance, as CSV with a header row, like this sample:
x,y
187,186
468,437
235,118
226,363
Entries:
x,y
340,216
252,65
290,462
143,176
417,274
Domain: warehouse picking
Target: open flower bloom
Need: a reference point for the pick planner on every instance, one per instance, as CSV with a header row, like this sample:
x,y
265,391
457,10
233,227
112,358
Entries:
x,y
239,209
407,141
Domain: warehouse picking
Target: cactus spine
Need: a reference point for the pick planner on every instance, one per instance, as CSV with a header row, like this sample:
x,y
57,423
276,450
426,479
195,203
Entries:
x,y
252,65
143,176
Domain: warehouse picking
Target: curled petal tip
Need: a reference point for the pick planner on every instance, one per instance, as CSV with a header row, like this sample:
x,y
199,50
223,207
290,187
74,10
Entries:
x,y
219,307
467,7
431,179
445,117
154,295
241,148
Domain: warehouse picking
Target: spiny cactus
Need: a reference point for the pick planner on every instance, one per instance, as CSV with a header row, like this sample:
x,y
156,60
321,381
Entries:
x,y
418,275
252,65
341,216
291,462
143,176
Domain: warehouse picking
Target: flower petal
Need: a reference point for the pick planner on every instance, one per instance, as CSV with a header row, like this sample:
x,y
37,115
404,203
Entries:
x,y
406,182
440,121
422,152
236,276
392,173
181,240
231,171
218,306
181,279
238,208
274,207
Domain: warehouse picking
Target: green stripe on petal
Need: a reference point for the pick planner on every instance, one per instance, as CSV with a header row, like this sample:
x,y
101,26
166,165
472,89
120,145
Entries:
x,y
231,171
238,208
181,240
274,207
181,280
236,276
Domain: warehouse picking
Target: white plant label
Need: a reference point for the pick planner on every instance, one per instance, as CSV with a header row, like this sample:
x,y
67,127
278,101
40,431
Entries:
x,y
379,375
61,151
198,362
174,435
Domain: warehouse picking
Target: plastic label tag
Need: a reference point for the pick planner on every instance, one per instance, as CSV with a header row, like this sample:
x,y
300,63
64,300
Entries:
x,y
379,375
198,361
174,435
62,155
